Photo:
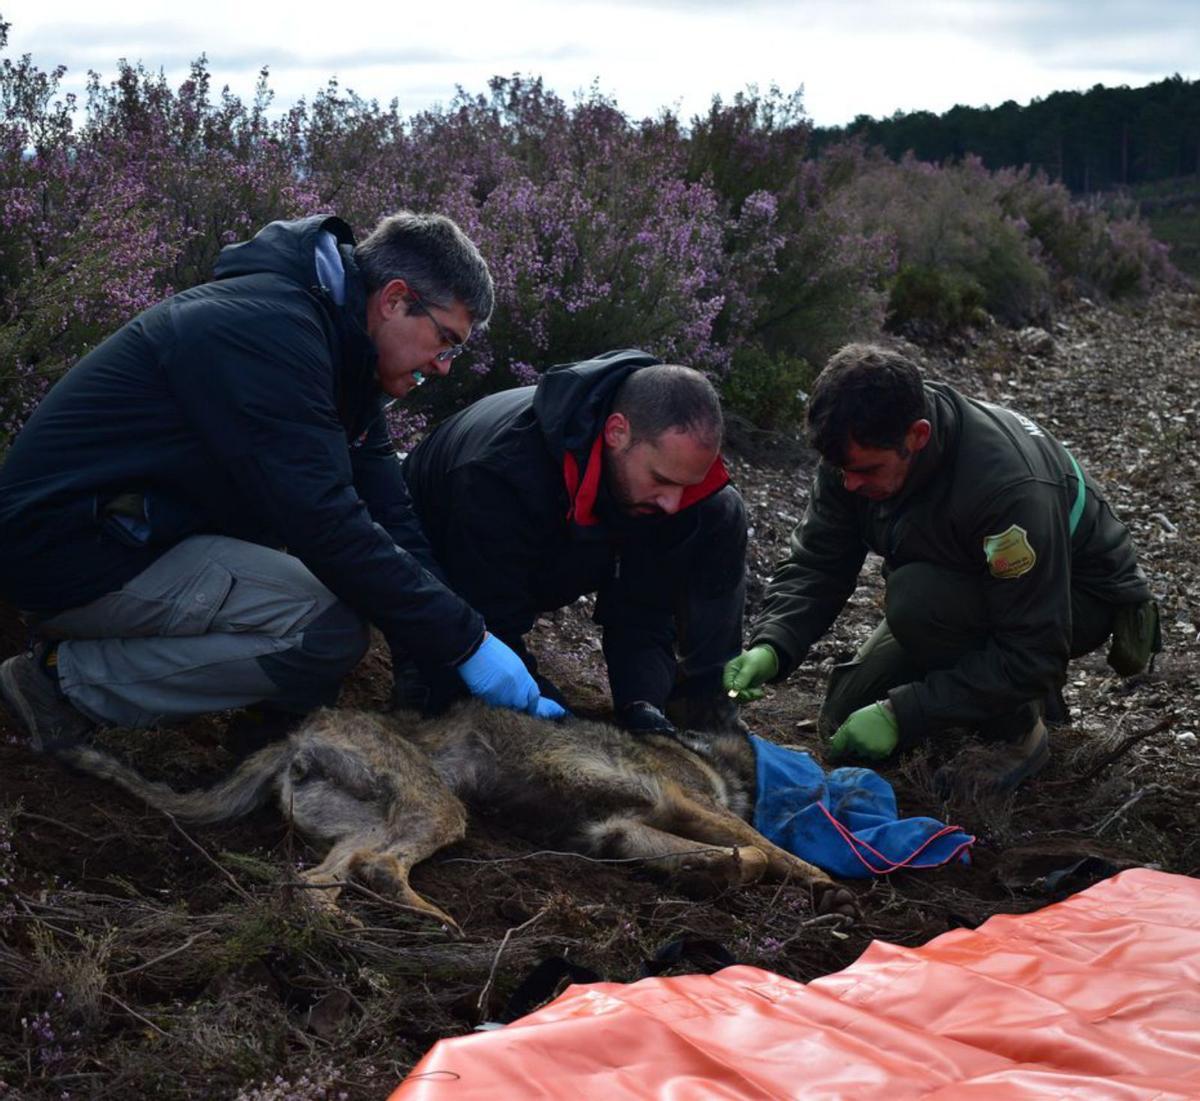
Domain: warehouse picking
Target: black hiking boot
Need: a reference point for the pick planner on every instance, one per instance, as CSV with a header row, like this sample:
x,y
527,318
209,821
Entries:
x,y
995,768
29,687
1054,709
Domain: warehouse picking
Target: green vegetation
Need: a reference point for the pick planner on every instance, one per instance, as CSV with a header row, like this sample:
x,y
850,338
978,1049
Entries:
x,y
735,243
1090,141
1172,209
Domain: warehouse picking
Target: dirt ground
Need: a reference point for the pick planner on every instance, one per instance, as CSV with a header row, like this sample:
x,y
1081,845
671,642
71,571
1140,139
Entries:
x,y
137,959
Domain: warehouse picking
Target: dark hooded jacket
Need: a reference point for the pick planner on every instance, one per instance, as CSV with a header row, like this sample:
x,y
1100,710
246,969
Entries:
x,y
511,495
246,407
988,473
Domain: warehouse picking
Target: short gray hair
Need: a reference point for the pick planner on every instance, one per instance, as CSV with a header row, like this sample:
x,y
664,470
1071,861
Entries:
x,y
432,255
665,397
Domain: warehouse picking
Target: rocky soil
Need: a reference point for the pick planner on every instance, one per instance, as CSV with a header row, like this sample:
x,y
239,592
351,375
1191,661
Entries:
x,y
137,959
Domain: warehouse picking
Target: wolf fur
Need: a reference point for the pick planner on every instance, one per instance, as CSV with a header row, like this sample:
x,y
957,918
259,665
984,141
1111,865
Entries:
x,y
385,791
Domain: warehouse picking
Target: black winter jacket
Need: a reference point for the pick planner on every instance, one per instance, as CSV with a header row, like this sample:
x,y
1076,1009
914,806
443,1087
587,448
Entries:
x,y
986,472
246,407
510,494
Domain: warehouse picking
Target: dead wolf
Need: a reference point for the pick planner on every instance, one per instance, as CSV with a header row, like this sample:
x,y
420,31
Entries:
x,y
386,790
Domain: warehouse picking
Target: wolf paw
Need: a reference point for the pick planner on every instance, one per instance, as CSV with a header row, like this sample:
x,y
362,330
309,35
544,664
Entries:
x,y
831,898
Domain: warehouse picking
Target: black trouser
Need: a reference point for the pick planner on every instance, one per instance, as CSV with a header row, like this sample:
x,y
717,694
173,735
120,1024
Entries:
x,y
932,616
674,617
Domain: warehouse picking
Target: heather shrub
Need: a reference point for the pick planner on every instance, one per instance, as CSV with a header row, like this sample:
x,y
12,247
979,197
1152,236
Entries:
x,y
948,221
1085,248
101,221
829,282
768,390
934,301
356,158
1131,261
593,260
209,171
754,143
594,238
721,243
803,275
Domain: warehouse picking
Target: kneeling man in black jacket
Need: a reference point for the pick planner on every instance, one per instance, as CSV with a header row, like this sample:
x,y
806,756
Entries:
x,y
604,478
207,512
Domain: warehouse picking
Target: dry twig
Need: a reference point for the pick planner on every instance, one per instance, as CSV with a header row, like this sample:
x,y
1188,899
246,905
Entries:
x,y
487,986
204,853
48,821
1119,813
164,956
1113,755
133,1013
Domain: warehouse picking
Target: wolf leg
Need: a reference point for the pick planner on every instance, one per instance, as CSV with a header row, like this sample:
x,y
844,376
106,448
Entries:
x,y
697,867
387,875
357,859
324,882
377,798
381,856
684,816
414,832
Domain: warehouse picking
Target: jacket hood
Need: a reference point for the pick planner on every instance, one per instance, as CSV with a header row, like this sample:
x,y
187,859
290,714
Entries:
x,y
289,250
571,403
573,399
282,248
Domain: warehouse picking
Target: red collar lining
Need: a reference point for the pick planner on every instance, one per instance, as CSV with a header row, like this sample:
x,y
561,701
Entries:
x,y
582,492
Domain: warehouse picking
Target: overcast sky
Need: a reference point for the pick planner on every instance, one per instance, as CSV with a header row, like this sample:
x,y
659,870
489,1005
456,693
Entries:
x,y
851,56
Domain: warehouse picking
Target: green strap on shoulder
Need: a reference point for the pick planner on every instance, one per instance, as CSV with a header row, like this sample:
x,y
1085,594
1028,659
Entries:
x,y
1080,494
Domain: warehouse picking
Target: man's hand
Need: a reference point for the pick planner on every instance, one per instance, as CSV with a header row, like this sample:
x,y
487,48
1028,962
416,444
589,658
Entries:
x,y
870,733
546,708
497,676
751,668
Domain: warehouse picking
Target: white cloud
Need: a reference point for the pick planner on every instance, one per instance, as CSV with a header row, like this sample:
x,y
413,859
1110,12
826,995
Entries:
x,y
851,56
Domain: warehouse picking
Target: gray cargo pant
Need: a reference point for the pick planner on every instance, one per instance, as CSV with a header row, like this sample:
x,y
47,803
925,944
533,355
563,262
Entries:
x,y
932,616
215,623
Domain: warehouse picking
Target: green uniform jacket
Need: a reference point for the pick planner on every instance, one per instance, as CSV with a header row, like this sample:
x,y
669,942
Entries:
x,y
990,480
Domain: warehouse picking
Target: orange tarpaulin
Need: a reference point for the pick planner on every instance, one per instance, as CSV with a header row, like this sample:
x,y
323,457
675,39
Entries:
x,y
1096,998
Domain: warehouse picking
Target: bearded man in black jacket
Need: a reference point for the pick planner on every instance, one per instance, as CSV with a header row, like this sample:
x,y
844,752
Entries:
x,y
605,478
206,511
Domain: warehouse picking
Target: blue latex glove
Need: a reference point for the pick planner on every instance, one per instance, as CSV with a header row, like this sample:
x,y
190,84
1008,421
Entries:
x,y
497,676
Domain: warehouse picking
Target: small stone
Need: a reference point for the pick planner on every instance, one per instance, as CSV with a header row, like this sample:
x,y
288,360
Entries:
x,y
1035,342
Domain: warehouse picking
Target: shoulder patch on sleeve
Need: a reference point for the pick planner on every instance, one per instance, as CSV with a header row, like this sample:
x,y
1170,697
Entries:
x,y
1009,554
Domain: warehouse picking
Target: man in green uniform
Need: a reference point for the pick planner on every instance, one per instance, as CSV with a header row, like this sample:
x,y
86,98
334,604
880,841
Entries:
x,y
1002,559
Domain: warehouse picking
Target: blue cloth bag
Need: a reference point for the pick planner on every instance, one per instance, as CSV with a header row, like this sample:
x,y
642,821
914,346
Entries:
x,y
847,822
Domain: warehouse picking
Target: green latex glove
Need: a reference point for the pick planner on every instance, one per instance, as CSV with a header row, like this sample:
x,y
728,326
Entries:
x,y
870,733
751,668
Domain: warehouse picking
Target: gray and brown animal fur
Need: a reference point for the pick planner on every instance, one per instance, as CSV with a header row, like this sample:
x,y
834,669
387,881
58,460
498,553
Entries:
x,y
385,791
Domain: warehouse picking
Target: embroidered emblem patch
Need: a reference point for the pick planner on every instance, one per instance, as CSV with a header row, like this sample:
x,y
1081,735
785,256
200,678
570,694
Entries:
x,y
1009,554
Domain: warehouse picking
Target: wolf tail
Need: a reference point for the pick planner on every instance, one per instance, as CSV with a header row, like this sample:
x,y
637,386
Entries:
x,y
246,788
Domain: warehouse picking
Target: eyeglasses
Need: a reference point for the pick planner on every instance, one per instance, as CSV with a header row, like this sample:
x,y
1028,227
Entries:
x,y
455,347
